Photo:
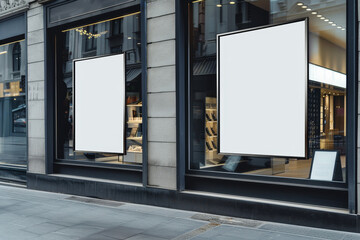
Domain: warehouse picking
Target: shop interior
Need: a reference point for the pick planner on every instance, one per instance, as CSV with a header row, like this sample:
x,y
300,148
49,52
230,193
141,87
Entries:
x,y
326,128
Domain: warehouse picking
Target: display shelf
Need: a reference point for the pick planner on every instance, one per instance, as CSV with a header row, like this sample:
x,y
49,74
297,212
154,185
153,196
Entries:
x,y
211,156
134,105
134,122
129,151
134,138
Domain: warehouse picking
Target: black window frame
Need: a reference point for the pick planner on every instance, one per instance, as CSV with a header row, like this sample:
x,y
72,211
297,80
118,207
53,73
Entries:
x,y
341,195
16,57
119,172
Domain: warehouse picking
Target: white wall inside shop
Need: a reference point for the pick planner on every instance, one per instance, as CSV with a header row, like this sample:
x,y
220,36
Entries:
x,y
36,79
161,94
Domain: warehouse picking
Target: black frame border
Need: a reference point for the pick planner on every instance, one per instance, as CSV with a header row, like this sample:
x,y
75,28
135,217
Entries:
x,y
218,37
73,100
185,176
51,36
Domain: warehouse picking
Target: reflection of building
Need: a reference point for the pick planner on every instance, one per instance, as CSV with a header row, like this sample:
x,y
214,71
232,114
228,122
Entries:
x,y
12,87
170,49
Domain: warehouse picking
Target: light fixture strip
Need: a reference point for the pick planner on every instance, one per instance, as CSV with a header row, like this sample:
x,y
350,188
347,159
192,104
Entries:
x,y
12,42
107,20
300,4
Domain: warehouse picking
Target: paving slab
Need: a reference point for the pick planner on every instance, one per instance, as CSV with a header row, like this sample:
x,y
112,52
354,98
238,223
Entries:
x,y
35,215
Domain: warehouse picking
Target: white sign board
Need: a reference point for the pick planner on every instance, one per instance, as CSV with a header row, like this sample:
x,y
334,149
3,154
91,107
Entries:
x,y
323,165
99,104
262,91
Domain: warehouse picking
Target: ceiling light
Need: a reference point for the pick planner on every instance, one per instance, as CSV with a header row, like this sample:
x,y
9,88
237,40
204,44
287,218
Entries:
x,y
326,20
304,6
343,29
322,18
218,5
314,13
232,2
3,52
319,15
333,24
339,27
308,9
330,22
300,4
129,38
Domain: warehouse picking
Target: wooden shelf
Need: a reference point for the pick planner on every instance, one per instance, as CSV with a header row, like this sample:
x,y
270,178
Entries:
x,y
134,138
134,105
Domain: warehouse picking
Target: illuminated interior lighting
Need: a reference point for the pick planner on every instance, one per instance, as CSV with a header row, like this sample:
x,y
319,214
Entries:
x,y
314,13
333,24
322,18
304,6
339,27
3,52
218,5
308,9
197,1
232,2
319,15
12,42
343,29
300,4
129,38
326,20
107,20
330,22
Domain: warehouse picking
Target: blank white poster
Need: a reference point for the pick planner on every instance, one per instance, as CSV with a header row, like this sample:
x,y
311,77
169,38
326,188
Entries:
x,y
323,166
262,83
99,106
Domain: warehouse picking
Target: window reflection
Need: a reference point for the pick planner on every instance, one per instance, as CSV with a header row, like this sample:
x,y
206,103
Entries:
x,y
326,96
119,35
13,120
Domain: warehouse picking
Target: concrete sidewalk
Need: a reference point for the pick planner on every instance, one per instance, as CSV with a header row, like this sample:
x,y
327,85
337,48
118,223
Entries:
x,y
27,214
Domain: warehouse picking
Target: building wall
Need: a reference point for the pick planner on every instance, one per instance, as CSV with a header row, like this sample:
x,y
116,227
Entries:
x,y
36,80
161,93
358,133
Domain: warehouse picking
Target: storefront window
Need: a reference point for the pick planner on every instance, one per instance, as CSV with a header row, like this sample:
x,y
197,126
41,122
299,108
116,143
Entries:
x,y
13,122
327,81
118,35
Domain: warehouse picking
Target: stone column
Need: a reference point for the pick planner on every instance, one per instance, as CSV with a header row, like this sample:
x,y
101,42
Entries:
x,y
35,93
161,94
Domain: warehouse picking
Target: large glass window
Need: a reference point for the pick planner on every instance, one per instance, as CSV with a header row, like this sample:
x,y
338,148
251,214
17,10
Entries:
x,y
13,104
118,35
326,97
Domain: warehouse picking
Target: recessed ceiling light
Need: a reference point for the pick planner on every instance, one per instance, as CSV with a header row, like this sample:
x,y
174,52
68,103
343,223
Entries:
x,y
322,18
129,38
314,13
232,2
304,6
339,27
326,20
319,15
218,5
308,9
343,29
333,24
300,4
330,22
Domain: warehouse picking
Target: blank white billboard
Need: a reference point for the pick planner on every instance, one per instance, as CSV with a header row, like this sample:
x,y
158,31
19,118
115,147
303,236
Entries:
x,y
99,104
262,90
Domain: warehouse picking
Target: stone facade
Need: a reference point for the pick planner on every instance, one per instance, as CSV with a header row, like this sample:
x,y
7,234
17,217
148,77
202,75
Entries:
x,y
161,94
8,7
36,96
